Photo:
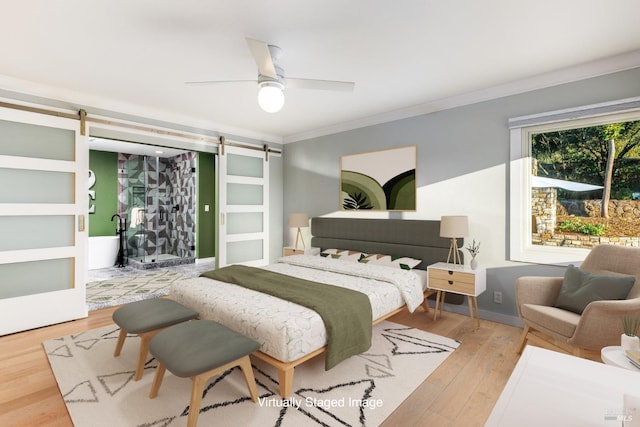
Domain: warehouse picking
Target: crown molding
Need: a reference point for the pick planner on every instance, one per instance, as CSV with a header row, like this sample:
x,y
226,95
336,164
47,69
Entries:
x,y
584,71
41,94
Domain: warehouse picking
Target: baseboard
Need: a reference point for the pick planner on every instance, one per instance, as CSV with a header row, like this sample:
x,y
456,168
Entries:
x,y
486,315
201,260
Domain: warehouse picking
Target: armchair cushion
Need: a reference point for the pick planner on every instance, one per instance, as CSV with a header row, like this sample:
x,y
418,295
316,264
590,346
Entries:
x,y
551,320
579,288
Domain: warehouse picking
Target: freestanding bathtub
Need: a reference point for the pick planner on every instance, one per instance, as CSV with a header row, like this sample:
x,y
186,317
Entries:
x,y
103,251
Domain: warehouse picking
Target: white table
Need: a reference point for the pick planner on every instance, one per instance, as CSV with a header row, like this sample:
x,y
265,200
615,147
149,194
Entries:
x,y
548,388
614,356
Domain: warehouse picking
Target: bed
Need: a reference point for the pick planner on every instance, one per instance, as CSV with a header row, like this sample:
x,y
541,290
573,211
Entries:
x,y
291,334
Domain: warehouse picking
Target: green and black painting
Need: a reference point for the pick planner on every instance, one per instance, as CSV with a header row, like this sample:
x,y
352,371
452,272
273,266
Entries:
x,y
380,180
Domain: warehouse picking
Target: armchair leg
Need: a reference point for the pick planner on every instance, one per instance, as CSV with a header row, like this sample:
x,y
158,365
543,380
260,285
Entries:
x,y
523,339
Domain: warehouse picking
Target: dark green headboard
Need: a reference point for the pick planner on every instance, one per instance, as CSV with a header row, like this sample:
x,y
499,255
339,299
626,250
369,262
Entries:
x,y
396,237
418,239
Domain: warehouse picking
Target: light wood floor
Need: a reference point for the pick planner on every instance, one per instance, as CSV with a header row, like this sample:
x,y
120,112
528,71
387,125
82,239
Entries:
x,y
461,392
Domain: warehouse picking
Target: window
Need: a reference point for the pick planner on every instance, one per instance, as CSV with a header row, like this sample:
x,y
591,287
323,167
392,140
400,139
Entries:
x,y
558,181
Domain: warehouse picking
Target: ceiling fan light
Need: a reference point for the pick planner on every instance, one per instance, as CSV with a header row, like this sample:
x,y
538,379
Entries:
x,y
271,97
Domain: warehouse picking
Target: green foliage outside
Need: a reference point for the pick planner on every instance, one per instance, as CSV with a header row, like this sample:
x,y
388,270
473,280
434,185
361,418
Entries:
x,y
577,226
581,155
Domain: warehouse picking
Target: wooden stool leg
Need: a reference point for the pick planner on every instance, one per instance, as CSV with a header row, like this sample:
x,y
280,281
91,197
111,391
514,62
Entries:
x,y
120,342
157,381
197,387
145,339
247,370
142,355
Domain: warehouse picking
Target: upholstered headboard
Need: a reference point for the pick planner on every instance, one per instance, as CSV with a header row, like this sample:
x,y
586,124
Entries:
x,y
418,239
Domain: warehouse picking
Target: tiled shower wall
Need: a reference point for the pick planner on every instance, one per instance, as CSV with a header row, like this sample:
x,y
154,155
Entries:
x,y
168,199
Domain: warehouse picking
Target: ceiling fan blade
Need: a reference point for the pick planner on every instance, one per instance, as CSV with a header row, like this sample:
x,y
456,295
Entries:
x,y
213,82
262,55
319,84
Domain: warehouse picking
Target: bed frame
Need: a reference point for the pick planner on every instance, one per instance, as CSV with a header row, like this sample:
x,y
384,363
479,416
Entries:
x,y
413,238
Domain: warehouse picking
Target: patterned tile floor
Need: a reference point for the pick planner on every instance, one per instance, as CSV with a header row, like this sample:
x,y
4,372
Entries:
x,y
191,270
114,286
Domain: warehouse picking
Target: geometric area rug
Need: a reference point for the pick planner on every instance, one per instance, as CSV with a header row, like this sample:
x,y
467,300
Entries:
x,y
117,291
99,389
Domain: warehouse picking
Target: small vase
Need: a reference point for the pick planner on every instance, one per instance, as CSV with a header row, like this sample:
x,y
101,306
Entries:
x,y
473,263
629,343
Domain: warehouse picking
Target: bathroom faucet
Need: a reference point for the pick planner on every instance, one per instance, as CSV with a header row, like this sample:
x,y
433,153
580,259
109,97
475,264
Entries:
x,y
120,232
119,222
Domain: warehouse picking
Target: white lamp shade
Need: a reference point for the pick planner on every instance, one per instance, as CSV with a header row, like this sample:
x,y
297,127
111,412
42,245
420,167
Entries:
x,y
454,226
270,98
298,220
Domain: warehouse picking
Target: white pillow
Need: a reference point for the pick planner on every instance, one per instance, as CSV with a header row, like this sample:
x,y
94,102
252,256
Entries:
x,y
404,263
344,255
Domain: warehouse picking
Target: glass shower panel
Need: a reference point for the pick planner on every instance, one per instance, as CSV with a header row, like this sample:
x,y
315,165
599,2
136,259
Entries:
x,y
135,207
33,186
157,194
26,278
43,232
160,208
244,251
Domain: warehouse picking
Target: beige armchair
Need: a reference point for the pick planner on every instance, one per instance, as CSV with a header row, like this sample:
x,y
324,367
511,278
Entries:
x,y
599,325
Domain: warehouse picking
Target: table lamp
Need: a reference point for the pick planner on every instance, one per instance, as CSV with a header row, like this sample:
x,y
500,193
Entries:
x,y
454,227
298,220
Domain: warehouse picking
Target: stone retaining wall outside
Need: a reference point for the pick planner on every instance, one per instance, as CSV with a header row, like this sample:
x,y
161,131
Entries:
x,y
581,240
545,208
617,208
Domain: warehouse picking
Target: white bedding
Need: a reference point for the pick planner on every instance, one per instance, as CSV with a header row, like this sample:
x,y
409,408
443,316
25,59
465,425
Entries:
x,y
288,331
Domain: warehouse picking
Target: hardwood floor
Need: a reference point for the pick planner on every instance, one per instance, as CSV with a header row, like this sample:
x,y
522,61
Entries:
x,y
461,392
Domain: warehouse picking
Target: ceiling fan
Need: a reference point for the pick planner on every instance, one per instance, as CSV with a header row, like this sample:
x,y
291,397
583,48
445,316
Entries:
x,y
272,81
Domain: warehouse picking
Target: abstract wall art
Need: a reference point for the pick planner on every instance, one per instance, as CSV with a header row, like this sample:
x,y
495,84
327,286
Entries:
x,y
382,180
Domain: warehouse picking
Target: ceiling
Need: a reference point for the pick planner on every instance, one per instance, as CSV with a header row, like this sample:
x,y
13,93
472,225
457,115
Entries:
x,y
133,56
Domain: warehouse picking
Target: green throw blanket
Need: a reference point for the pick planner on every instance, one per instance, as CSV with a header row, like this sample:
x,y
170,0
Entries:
x,y
346,313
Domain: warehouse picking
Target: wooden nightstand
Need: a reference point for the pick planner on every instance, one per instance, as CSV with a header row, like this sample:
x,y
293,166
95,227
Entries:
x,y
290,250
444,277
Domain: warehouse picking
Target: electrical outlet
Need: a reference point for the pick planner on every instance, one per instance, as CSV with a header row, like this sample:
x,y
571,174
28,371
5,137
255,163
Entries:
x,y
497,297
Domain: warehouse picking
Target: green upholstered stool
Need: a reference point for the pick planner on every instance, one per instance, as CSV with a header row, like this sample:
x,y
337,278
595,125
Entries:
x,y
201,349
146,318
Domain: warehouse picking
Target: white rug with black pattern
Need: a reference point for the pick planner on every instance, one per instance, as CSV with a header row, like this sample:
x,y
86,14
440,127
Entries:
x,y
99,389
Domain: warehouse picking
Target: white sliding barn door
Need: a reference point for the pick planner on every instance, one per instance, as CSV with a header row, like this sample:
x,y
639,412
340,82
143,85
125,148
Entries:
x,y
243,200
43,206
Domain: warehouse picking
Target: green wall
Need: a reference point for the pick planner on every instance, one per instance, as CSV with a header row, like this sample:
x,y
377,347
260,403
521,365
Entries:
x,y
205,221
105,167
